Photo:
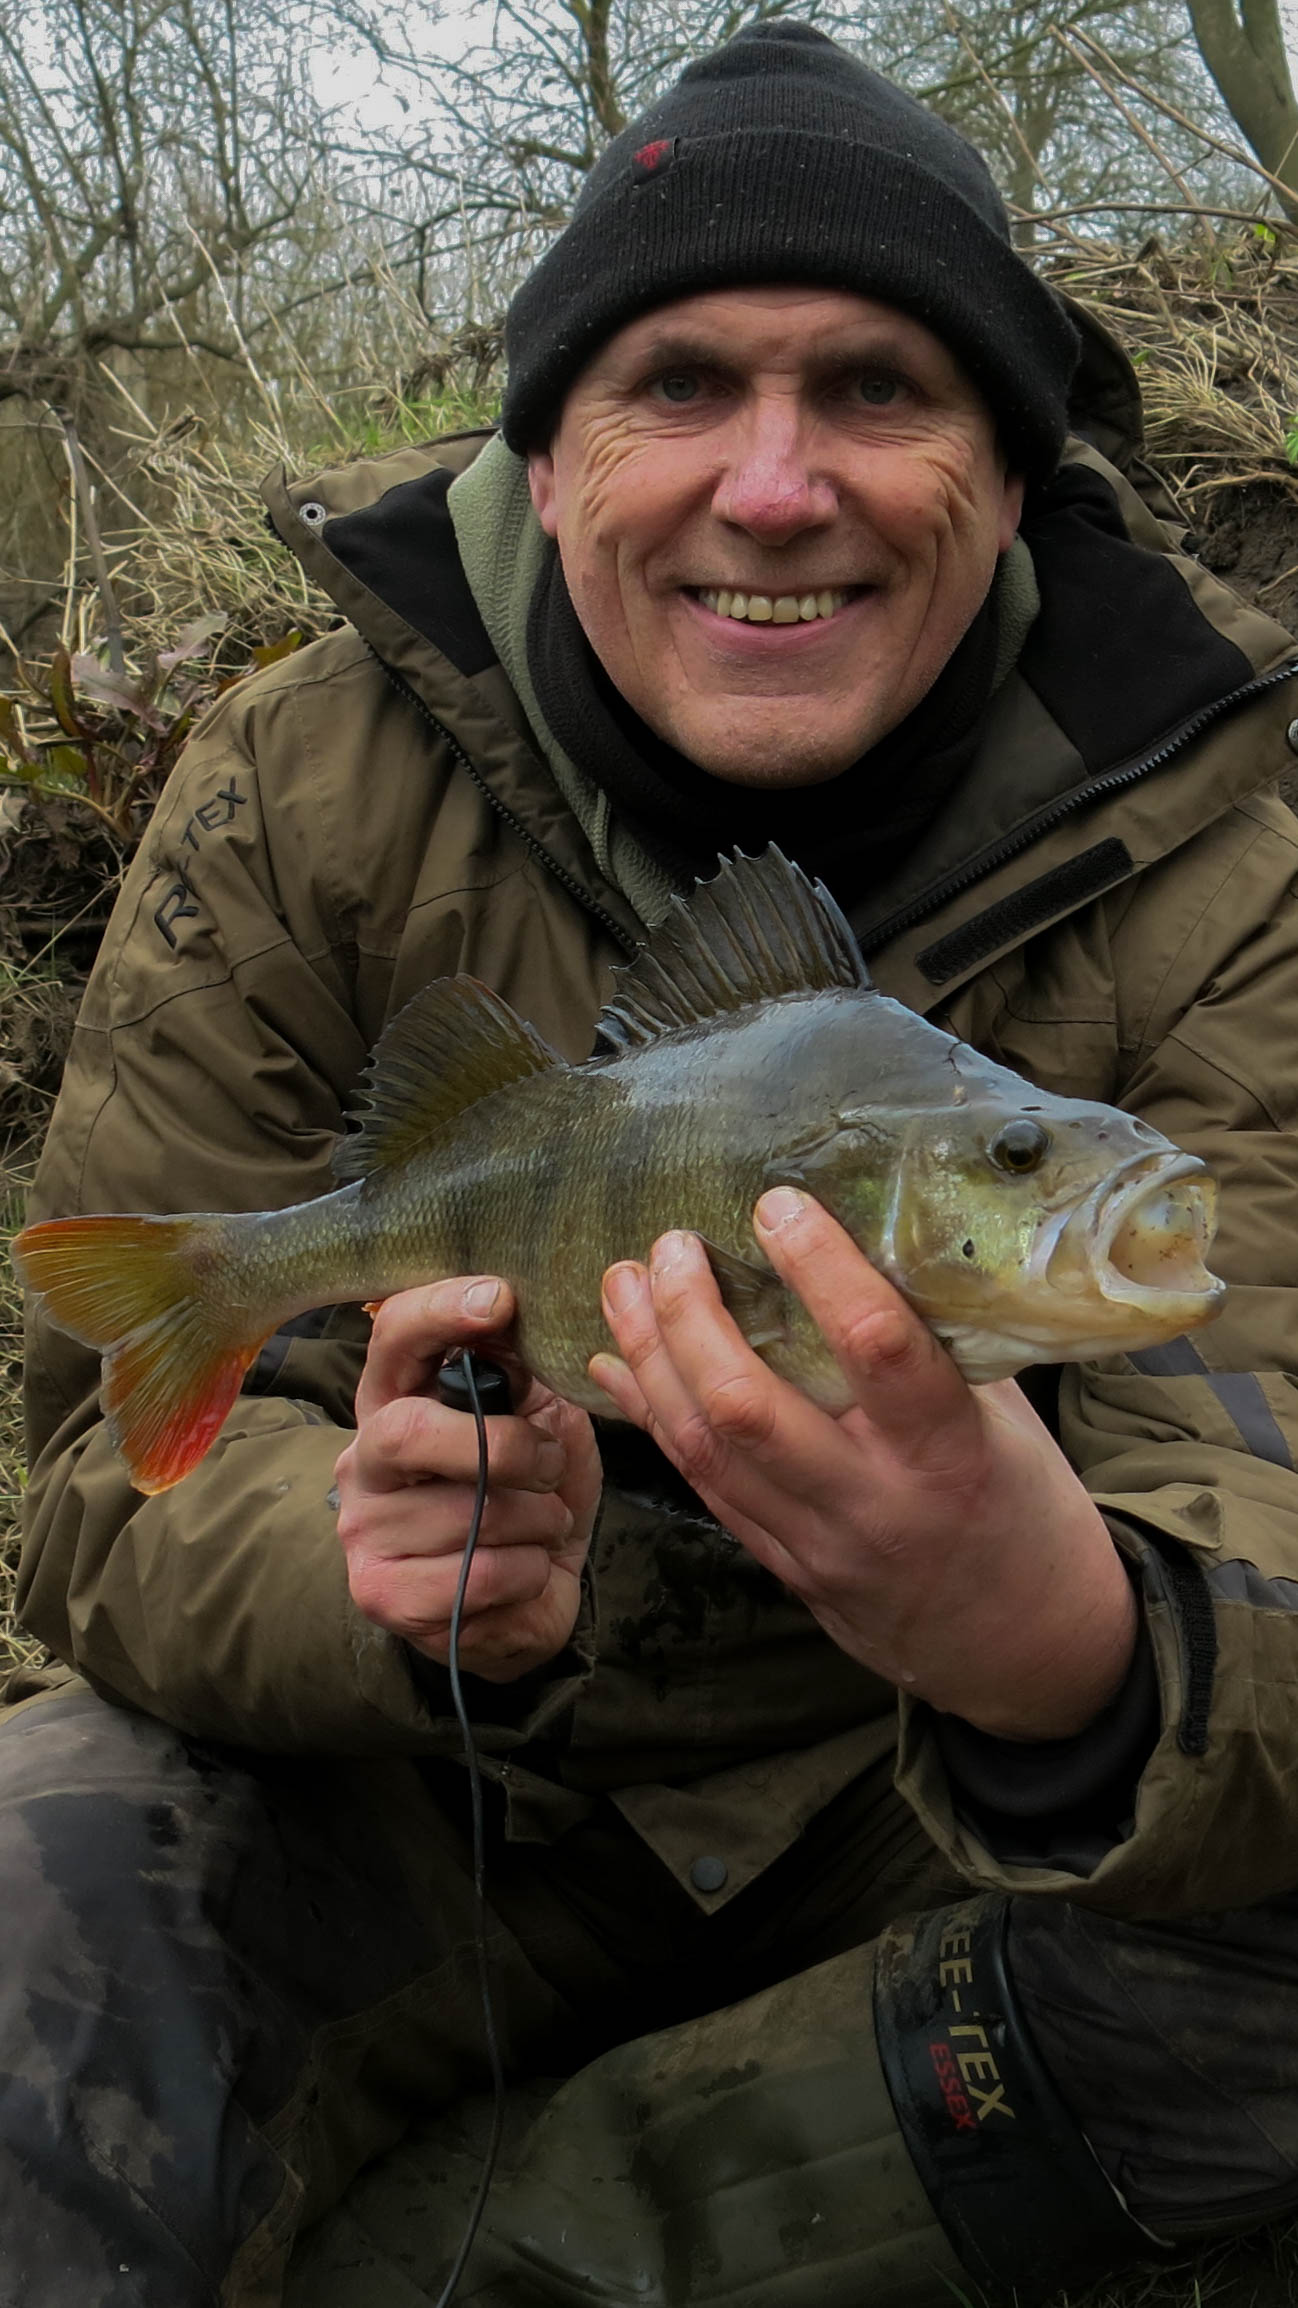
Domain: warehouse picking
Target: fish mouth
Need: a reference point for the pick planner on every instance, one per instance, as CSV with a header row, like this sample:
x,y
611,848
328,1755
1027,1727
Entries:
x,y
1143,1240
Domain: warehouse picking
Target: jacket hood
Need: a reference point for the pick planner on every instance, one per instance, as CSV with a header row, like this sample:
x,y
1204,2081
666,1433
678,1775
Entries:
x,y
1104,405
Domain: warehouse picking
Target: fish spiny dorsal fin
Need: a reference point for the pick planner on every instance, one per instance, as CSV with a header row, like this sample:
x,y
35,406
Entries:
x,y
453,1043
761,929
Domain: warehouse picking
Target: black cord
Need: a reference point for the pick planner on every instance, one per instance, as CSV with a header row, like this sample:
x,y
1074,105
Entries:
x,y
465,1366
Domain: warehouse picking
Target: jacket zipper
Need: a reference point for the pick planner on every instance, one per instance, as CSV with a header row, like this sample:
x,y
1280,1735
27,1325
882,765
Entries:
x,y
1046,819
538,849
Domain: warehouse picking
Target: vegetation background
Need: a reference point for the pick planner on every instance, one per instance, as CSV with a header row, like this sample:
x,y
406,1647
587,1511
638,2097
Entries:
x,y
234,234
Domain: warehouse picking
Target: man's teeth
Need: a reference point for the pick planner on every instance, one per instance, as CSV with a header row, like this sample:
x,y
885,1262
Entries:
x,y
773,608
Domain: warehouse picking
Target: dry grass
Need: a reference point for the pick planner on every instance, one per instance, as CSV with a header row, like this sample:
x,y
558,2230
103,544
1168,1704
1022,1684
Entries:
x,y
1213,333
1259,2271
201,480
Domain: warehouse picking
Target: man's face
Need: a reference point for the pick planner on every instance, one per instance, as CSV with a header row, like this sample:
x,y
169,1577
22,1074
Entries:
x,y
821,457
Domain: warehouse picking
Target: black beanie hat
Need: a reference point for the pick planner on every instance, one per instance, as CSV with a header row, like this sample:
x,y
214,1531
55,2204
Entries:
x,y
781,158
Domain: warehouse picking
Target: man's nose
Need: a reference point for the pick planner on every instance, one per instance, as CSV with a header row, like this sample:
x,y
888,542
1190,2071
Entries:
x,y
771,484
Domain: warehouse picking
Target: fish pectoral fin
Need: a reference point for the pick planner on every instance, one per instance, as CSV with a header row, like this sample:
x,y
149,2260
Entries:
x,y
752,1295
760,930
452,1044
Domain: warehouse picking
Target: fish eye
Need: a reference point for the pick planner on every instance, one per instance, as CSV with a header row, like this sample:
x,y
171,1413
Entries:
x,y
1019,1147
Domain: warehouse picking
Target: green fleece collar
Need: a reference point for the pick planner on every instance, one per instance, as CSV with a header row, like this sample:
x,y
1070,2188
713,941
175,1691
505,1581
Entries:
x,y
503,549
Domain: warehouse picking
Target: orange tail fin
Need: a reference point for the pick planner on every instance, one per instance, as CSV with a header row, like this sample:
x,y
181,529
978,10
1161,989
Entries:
x,y
133,1288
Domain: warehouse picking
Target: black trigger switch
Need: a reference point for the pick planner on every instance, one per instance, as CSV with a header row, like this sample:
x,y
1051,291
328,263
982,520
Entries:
x,y
491,1381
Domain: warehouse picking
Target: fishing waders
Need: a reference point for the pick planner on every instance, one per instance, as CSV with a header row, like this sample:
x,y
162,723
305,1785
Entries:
x,y
874,2133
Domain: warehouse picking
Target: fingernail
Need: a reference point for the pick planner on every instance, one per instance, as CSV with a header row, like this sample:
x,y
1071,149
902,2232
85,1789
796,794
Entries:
x,y
607,1369
551,1459
671,1250
781,1207
621,1287
480,1297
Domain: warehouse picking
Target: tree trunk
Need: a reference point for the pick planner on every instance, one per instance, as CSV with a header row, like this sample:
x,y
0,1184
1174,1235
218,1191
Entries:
x,y
1242,44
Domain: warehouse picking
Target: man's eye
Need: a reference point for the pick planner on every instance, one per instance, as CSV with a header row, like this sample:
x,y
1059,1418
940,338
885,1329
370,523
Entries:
x,y
678,385
878,388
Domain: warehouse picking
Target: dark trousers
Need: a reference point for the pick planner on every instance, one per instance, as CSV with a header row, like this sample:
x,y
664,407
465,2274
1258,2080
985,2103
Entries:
x,y
228,1982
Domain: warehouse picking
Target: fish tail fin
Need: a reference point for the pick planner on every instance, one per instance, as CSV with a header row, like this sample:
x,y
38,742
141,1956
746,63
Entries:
x,y
146,1292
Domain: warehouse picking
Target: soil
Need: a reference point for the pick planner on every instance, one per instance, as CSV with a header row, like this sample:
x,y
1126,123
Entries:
x,y
1250,538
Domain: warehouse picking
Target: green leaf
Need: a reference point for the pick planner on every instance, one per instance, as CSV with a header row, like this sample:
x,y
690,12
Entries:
x,y
271,652
61,693
61,770
11,734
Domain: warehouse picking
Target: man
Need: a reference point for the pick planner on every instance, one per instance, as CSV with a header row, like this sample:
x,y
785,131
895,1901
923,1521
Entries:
x,y
776,545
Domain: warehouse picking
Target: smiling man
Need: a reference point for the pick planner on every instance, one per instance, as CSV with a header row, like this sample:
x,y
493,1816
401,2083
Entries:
x,y
891,1835
778,511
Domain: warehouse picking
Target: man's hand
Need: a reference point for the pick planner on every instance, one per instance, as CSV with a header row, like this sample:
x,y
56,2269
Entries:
x,y
406,1487
935,1530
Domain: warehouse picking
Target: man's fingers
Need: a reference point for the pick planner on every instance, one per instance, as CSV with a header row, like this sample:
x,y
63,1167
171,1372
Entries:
x,y
907,1386
414,1527
414,1329
688,1378
414,1440
414,1599
673,1414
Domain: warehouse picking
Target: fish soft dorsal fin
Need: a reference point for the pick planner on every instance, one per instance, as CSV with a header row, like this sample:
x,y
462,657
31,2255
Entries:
x,y
761,929
453,1043
753,1294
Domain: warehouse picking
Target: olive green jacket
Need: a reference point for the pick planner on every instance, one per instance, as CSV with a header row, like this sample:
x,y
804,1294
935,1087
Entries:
x,y
1107,905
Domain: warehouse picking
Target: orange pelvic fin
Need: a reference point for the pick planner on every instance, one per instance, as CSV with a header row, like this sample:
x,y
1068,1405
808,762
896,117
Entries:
x,y
146,1292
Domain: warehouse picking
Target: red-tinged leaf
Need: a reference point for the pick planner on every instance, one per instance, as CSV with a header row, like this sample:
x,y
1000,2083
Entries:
x,y
271,652
61,693
130,697
192,640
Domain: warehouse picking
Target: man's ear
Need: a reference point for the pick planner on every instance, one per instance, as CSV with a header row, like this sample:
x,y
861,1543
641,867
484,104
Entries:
x,y
540,480
1013,489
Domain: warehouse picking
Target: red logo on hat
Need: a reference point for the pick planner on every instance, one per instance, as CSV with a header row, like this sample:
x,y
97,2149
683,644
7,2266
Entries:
x,y
651,159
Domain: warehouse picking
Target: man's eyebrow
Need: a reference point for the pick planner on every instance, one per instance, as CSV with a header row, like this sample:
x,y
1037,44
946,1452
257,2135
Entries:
x,y
679,346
